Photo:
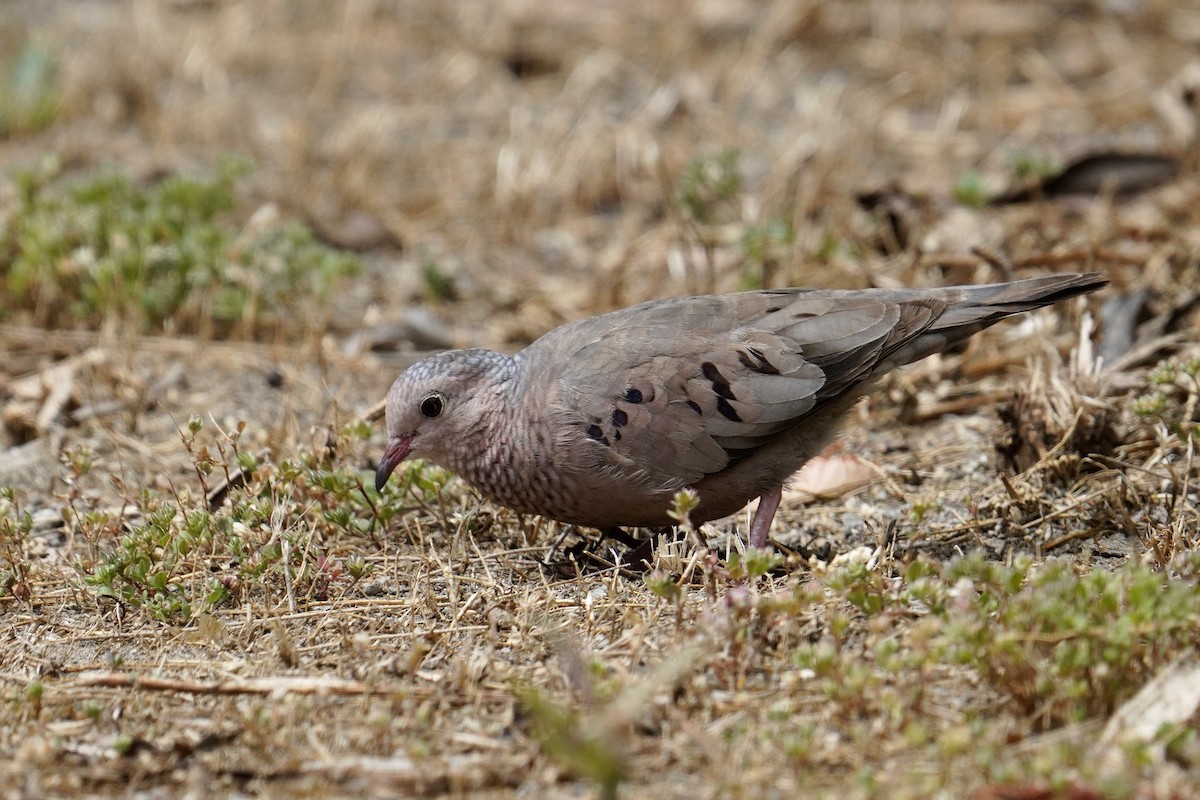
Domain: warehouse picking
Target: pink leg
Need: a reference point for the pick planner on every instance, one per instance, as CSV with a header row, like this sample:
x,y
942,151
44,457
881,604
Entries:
x,y
760,526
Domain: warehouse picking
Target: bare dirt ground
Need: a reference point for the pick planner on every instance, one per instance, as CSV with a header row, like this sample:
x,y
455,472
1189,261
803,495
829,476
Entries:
x,y
506,167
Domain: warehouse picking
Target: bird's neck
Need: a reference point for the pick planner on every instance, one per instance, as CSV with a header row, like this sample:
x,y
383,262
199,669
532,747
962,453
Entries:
x,y
510,460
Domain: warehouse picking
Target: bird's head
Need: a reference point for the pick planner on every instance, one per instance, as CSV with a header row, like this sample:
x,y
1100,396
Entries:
x,y
436,407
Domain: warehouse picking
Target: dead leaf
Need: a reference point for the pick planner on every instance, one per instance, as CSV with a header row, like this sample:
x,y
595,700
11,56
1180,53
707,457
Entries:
x,y
1170,698
829,477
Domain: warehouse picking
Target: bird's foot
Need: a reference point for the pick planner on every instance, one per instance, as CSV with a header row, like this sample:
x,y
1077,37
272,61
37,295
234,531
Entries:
x,y
634,559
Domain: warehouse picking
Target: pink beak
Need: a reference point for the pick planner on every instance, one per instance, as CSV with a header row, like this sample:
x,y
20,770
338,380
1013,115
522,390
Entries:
x,y
397,450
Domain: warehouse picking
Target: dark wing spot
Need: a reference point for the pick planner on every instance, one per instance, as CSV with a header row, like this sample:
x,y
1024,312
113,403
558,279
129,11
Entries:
x,y
754,359
620,418
594,433
727,411
719,384
773,309
694,406
633,395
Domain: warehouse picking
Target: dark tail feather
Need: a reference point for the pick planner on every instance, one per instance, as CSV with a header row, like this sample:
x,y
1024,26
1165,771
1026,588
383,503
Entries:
x,y
970,309
970,305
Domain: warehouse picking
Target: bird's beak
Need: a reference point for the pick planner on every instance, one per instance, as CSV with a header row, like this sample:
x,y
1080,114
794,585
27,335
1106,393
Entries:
x,y
397,450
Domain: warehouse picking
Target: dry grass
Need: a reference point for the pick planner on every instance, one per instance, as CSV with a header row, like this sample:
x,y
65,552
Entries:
x,y
504,167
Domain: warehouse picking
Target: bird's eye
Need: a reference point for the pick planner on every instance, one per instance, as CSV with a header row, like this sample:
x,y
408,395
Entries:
x,y
432,405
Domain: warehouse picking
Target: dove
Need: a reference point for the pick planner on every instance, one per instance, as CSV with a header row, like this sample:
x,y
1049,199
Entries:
x,y
599,423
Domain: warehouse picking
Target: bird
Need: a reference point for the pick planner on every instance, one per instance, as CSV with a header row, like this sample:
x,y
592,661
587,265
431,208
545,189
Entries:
x,y
601,422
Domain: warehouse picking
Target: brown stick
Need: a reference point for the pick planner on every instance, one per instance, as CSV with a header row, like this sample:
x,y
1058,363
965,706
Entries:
x,y
280,684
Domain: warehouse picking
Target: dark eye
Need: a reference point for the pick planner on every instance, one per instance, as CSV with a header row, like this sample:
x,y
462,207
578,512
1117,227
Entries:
x,y
432,405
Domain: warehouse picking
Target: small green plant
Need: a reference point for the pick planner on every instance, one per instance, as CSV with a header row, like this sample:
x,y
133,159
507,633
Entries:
x,y
684,502
150,566
78,460
34,692
708,200
829,246
566,735
93,711
123,744
1027,166
1068,647
664,586
269,529
275,533
357,568
591,739
667,587
970,189
163,257
864,588
1171,397
766,247
709,188
438,285
15,527
1151,405
922,507
30,93
753,564
416,479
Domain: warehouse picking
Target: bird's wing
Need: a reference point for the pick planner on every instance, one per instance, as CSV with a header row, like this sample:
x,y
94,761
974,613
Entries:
x,y
670,391
670,396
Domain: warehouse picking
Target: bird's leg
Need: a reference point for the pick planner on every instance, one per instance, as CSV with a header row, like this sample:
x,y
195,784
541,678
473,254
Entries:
x,y
562,537
638,552
621,536
760,526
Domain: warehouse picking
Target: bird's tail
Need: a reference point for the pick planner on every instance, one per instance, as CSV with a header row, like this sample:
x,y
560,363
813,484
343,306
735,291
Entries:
x,y
970,309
